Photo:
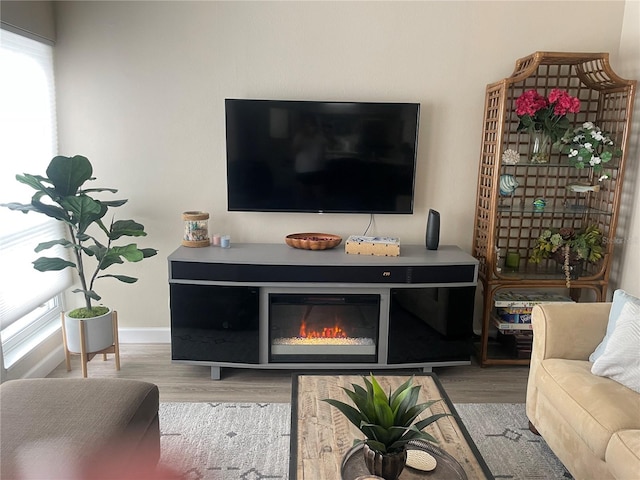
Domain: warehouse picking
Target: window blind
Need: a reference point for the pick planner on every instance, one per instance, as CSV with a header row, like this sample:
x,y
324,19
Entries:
x,y
28,141
23,288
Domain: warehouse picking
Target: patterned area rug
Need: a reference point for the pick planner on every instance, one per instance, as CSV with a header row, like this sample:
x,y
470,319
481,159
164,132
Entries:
x,y
501,433
250,441
226,441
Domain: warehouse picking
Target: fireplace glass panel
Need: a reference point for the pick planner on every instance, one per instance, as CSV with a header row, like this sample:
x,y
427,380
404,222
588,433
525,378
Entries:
x,y
323,328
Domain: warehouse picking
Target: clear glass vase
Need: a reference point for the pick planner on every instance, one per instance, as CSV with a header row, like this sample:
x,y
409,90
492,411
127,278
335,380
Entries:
x,y
540,146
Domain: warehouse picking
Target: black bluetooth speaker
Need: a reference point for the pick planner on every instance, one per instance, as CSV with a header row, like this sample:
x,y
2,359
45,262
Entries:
x,y
433,230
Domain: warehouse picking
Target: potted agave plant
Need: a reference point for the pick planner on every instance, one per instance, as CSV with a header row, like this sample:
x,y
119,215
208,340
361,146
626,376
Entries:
x,y
61,195
387,422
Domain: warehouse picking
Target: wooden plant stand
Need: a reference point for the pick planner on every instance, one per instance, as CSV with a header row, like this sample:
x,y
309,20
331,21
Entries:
x,y
87,356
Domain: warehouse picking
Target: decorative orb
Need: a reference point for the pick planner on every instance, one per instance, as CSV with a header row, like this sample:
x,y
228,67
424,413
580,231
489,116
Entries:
x,y
508,184
539,203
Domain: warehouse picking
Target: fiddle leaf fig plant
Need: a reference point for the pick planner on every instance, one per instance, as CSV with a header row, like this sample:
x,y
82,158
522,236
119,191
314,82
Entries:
x,y
60,195
387,421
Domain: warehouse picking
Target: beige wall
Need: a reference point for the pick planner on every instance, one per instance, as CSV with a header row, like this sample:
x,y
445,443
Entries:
x,y
626,271
141,87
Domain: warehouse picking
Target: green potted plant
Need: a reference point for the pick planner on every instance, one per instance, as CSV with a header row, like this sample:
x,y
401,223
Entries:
x,y
568,247
61,195
387,423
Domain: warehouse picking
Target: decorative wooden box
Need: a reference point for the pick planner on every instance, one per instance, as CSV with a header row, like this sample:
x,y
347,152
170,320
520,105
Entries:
x,y
380,246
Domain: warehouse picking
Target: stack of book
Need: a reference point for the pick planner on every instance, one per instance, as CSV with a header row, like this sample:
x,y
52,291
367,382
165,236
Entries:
x,y
512,318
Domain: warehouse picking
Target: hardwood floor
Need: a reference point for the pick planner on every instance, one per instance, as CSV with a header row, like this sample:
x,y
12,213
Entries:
x,y
191,383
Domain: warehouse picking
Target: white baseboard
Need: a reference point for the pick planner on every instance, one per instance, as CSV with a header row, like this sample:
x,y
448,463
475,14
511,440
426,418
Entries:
x,y
43,359
39,361
47,365
144,335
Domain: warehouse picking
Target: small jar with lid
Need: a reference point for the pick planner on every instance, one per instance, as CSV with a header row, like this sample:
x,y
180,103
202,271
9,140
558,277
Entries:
x,y
196,229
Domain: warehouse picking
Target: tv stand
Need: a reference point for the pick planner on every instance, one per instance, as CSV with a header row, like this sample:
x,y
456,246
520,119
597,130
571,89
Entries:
x,y
419,306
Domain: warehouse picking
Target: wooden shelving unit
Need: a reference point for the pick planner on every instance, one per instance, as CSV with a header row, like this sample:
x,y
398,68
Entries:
x,y
512,224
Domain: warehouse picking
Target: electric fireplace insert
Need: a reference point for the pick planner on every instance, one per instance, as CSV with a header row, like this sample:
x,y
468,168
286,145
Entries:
x,y
323,328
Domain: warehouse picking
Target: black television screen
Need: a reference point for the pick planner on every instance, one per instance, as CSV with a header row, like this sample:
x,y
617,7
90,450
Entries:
x,y
330,157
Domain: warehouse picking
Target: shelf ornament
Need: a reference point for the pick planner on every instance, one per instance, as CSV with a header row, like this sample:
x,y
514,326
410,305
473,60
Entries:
x,y
589,147
507,185
569,247
545,119
510,157
539,203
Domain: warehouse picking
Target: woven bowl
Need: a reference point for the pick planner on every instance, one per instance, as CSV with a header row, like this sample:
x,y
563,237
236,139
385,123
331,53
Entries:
x,y
313,241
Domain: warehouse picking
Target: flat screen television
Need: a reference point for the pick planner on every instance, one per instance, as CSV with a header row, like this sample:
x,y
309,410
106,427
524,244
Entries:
x,y
326,157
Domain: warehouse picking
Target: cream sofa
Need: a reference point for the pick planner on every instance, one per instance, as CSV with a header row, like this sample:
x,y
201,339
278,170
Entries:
x,y
591,423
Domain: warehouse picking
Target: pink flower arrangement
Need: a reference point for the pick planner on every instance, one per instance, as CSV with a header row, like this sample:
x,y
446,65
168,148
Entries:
x,y
563,103
538,113
529,103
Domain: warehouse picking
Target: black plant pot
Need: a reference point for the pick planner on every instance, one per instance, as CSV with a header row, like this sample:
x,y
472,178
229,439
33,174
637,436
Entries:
x,y
387,466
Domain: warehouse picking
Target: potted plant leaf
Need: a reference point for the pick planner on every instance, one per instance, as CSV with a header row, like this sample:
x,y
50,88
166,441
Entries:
x,y
568,247
61,195
387,422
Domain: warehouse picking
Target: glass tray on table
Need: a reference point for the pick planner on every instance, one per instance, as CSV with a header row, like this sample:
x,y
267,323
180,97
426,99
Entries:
x,y
447,468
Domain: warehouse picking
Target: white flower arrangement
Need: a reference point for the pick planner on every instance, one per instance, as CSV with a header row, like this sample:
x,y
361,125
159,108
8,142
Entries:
x,y
589,147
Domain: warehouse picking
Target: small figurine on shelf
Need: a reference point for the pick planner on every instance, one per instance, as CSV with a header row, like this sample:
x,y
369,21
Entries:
x,y
508,185
539,203
583,187
510,157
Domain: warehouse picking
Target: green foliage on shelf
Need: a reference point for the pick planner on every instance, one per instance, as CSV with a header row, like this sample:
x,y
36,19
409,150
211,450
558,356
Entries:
x,y
584,245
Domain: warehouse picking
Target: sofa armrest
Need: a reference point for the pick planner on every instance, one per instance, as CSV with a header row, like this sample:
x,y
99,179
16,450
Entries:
x,y
570,331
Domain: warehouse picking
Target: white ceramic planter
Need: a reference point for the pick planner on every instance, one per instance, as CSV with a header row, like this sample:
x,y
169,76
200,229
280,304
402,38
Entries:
x,y
98,333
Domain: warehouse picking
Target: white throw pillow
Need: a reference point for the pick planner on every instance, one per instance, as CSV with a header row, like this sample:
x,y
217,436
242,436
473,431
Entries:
x,y
621,358
620,299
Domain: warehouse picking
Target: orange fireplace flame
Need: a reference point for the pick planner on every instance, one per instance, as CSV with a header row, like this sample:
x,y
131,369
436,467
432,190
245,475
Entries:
x,y
326,332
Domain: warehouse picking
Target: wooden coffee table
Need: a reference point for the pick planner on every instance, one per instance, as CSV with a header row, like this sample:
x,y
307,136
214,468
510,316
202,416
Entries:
x,y
321,436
